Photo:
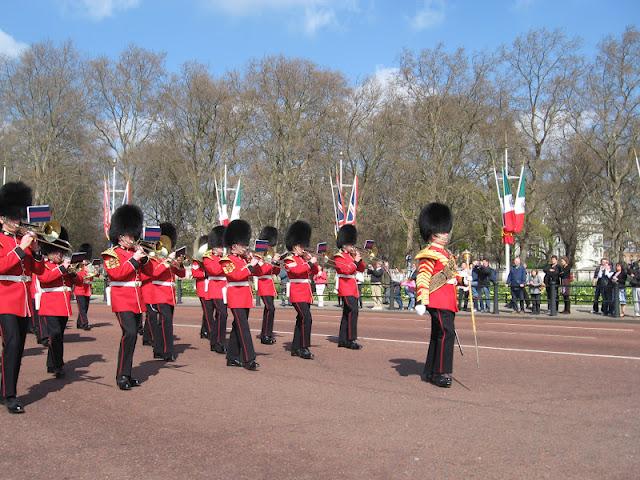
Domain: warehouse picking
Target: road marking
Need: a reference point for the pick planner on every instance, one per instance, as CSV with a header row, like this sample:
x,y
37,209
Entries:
x,y
528,334
418,342
561,326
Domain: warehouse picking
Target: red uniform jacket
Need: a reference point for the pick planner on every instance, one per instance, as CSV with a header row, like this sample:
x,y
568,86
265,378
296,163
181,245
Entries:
x,y
83,283
431,260
216,280
299,272
239,294
160,285
16,268
55,285
346,270
124,279
199,275
265,273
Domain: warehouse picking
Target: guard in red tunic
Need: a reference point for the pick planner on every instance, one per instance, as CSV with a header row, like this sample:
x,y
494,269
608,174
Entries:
x,y
164,292
265,271
56,284
216,290
240,352
20,258
124,263
347,262
436,291
198,274
82,290
300,266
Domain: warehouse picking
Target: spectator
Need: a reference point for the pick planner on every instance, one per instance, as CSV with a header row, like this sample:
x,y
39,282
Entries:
x,y
396,294
527,299
606,283
463,287
484,272
516,281
409,286
474,284
386,283
552,281
634,281
284,288
599,282
320,280
535,290
375,273
565,282
619,278
360,283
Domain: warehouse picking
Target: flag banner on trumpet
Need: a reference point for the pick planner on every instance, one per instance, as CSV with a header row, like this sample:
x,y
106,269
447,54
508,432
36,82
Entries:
x,y
96,262
38,214
151,234
77,257
181,252
261,245
369,244
321,247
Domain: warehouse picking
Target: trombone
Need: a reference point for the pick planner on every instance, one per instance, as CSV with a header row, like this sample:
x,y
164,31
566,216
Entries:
x,y
49,233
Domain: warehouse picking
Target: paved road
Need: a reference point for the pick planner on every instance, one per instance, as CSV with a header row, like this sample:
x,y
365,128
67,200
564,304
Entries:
x,y
552,399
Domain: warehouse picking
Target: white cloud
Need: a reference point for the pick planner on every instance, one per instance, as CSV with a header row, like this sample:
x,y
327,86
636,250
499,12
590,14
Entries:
x,y
430,15
316,19
98,9
9,46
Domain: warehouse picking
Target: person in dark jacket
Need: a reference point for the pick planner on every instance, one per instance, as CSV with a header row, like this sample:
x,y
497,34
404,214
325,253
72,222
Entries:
x,y
565,280
619,279
552,280
634,282
516,280
375,272
483,272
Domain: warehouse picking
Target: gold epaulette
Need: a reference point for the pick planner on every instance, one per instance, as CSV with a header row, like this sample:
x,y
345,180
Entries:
x,y
208,254
337,254
113,261
289,256
228,266
110,252
429,254
225,259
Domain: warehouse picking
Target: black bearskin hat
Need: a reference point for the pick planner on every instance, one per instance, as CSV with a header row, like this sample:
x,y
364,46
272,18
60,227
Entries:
x,y
238,231
169,230
435,218
270,234
47,248
126,220
298,233
86,247
15,197
347,235
216,237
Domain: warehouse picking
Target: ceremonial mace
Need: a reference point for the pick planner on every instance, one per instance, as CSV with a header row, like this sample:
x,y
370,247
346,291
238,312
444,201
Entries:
x,y
466,256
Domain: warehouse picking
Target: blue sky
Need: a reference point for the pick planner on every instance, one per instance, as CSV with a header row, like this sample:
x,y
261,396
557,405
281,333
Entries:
x,y
357,37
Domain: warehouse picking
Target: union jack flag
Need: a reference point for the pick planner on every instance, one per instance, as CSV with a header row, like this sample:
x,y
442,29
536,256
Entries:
x,y
340,206
353,203
38,214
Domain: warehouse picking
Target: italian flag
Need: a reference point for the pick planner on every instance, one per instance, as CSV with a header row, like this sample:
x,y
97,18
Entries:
x,y
520,204
507,198
237,202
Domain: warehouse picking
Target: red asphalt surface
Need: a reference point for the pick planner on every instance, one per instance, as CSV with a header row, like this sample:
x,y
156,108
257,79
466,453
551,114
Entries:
x,y
551,399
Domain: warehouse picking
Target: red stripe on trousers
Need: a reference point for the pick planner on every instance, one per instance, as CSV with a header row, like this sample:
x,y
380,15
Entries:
x,y
121,345
444,335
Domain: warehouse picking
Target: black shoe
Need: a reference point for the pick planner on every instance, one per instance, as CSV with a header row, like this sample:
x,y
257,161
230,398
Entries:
x,y
59,373
204,335
169,358
123,383
443,381
51,370
267,340
253,365
1,400
146,343
158,356
87,328
219,348
44,342
353,345
305,353
234,363
134,382
14,406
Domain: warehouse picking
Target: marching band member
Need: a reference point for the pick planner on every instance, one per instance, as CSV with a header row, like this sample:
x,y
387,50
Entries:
x,y
83,282
436,291
164,293
215,288
240,352
199,275
348,261
266,288
123,263
56,284
300,267
20,258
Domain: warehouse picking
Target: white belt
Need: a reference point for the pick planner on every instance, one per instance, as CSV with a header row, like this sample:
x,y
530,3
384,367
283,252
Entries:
x,y
55,289
217,278
163,284
135,283
339,275
238,284
265,277
15,278
299,280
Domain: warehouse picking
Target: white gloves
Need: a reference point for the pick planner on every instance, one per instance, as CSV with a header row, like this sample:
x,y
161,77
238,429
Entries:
x,y
421,309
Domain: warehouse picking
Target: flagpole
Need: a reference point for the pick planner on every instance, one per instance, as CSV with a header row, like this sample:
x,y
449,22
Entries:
x,y
335,211
4,173
507,246
113,188
637,162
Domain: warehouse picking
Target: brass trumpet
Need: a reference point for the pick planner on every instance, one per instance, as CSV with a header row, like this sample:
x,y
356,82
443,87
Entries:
x,y
48,233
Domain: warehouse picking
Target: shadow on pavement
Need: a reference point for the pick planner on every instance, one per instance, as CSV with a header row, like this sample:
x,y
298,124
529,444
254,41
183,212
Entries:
x,y
151,368
407,366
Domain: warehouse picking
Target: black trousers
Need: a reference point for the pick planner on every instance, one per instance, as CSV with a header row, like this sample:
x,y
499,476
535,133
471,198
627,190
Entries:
x,y
129,322
150,320
207,316
302,330
608,305
56,326
535,302
34,321
443,334
14,331
163,329
240,342
83,310
596,298
219,334
268,316
349,322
